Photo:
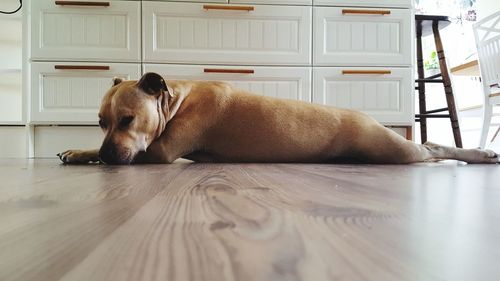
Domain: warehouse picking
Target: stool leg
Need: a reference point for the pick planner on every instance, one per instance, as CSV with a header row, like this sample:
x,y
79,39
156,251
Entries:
x,y
447,86
421,86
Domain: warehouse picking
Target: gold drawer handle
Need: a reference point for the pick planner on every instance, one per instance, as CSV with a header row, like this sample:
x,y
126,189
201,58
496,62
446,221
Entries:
x,y
370,72
81,67
240,71
366,12
232,8
82,3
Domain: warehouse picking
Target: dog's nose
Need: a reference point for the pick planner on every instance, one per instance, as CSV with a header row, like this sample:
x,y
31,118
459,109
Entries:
x,y
108,153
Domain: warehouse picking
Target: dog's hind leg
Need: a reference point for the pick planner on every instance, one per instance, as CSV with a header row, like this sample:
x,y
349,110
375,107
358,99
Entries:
x,y
477,156
385,146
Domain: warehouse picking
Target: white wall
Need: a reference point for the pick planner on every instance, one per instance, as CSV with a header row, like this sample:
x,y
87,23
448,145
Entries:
x,y
487,7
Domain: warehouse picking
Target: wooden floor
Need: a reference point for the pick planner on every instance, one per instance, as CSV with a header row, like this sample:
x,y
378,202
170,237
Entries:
x,y
249,222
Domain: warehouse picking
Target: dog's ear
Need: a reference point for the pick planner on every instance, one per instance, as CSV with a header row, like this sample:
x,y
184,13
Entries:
x,y
152,83
117,80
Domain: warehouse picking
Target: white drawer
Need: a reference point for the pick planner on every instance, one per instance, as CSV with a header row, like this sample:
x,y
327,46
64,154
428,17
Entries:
x,y
344,38
386,97
282,82
70,96
50,140
188,33
88,33
365,3
273,2
200,1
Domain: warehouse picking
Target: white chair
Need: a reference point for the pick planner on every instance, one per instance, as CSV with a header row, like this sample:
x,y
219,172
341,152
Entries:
x,y
487,35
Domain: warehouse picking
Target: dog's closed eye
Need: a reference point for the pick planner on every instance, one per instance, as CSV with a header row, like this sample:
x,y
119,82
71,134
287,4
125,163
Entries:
x,y
125,121
103,124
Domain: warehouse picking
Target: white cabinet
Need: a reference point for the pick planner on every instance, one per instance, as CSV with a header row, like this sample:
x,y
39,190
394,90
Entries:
x,y
293,49
99,31
382,93
71,93
273,2
366,3
200,1
219,34
362,37
281,82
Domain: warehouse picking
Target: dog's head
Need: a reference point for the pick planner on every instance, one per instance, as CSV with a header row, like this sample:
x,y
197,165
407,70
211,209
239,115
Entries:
x,y
132,115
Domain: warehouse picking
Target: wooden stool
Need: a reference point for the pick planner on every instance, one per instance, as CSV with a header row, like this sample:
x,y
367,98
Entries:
x,y
425,25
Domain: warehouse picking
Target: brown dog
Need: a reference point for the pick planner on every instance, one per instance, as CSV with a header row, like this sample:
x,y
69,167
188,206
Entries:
x,y
147,121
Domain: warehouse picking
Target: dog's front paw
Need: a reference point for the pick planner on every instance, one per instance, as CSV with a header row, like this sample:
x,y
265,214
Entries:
x,y
77,157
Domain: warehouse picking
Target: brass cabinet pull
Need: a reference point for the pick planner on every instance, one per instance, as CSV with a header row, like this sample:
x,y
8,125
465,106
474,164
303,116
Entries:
x,y
82,3
366,12
361,72
241,71
232,8
81,67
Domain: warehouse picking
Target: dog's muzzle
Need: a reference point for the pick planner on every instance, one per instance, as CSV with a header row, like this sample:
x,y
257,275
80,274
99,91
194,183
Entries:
x,y
113,155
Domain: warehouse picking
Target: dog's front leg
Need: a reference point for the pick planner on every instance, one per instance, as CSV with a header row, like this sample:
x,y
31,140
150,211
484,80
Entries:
x,y
162,152
79,156
174,144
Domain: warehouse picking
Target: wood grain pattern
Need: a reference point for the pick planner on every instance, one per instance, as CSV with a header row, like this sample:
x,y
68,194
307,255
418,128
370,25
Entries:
x,y
248,222
448,89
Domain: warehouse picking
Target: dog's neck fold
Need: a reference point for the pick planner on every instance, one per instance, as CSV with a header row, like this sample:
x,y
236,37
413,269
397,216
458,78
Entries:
x,y
174,102
167,105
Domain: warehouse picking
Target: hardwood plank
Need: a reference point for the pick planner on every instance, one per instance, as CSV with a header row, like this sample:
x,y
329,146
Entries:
x,y
433,221
54,223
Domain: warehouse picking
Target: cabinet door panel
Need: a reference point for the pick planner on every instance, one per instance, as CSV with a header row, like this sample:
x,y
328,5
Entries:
x,y
85,33
273,2
200,1
73,95
281,82
190,33
365,3
343,37
386,97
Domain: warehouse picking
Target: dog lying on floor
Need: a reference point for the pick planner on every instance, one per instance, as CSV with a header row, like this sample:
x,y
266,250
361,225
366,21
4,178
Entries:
x,y
151,121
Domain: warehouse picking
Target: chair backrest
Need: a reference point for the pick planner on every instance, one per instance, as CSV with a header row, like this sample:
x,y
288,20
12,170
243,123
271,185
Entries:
x,y
487,35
